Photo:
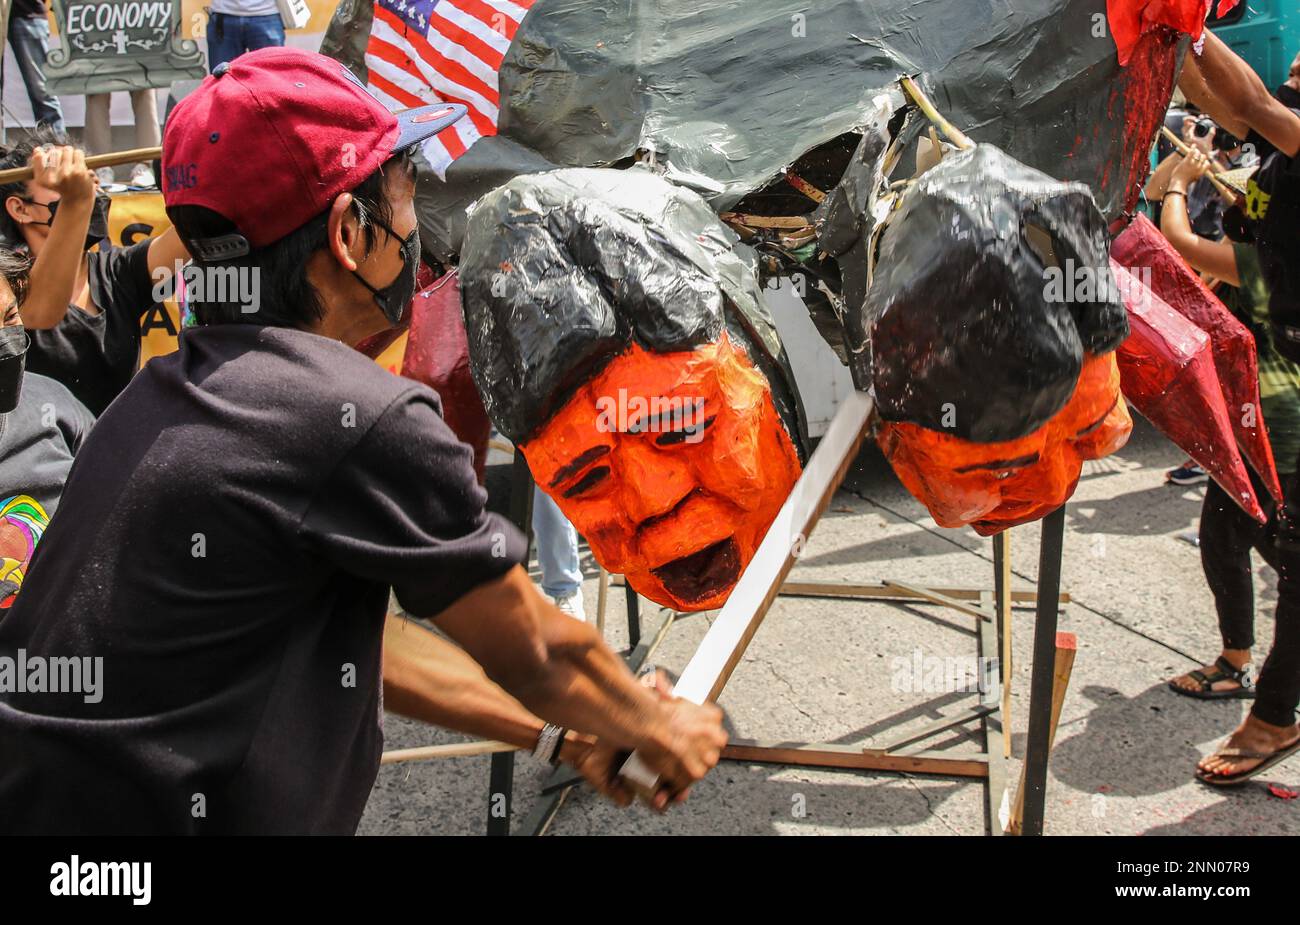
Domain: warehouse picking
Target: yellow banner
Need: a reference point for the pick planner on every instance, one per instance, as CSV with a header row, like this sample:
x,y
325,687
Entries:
x,y
135,216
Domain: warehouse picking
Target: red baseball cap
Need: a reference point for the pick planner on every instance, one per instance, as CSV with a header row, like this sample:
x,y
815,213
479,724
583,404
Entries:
x,y
268,140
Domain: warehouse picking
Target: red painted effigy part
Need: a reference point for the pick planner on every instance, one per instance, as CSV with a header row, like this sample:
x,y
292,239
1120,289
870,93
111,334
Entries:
x,y
1130,20
1167,371
437,354
1143,248
1138,101
1147,34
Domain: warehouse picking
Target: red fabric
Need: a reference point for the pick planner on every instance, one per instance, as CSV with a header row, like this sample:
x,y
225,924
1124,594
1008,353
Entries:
x,y
1142,248
1129,19
1167,371
437,354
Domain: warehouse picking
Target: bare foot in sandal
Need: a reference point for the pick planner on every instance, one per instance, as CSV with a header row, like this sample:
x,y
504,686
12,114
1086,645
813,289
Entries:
x,y
1255,738
1227,677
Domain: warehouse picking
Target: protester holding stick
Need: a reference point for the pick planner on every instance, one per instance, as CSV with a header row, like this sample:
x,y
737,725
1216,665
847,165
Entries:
x,y
1226,89
235,521
1227,533
82,309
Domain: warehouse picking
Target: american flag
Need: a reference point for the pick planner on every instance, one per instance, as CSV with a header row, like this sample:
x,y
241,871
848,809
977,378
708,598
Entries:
x,y
435,51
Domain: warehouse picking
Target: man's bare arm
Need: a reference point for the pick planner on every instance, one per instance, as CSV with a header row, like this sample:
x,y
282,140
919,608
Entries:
x,y
560,669
429,679
166,252
1231,93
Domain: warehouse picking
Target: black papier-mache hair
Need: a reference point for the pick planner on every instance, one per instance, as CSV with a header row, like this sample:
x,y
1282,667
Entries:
x,y
562,271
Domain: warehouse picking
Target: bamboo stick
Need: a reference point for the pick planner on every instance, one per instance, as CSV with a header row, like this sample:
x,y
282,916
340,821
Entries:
x,y
1184,149
95,161
955,135
455,750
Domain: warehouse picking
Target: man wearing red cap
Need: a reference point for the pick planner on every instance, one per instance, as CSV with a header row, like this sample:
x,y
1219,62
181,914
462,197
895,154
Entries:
x,y
231,528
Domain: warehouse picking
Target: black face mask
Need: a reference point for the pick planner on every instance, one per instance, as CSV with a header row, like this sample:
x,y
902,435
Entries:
x,y
97,230
393,298
13,357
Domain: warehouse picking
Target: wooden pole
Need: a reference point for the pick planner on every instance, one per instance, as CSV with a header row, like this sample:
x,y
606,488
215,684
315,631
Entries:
x,y
955,135
1066,647
1184,149
455,750
602,601
95,161
727,638
1002,556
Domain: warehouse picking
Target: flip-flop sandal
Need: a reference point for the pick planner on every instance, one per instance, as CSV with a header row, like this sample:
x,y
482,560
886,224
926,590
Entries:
x,y
1222,671
1266,761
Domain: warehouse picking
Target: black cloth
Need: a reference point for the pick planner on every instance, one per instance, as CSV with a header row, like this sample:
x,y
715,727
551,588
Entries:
x,y
39,439
1287,96
1273,209
27,9
95,356
226,542
1227,535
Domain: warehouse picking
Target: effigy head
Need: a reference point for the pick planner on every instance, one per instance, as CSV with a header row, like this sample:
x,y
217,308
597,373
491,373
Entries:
x,y
993,486
623,346
981,312
988,283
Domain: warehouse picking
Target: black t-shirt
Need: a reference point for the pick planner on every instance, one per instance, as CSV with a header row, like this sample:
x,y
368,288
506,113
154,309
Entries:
x,y
226,543
95,356
1273,209
39,439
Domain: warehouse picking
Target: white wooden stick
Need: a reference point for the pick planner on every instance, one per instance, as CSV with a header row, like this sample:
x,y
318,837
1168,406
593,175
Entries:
x,y
723,645
455,750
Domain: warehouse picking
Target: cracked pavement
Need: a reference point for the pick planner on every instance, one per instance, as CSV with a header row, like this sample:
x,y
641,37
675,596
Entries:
x,y
1126,746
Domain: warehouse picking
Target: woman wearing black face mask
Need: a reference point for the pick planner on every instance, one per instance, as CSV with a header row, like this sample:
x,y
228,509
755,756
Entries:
x,y
82,310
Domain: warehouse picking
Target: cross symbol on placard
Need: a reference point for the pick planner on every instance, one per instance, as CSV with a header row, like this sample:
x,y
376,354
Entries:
x,y
119,39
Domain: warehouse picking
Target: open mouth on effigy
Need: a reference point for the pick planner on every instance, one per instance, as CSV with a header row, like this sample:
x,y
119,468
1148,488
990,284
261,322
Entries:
x,y
702,574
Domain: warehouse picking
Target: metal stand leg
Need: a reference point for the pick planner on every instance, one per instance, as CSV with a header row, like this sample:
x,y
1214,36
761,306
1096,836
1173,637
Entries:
x,y
1038,741
633,617
501,785
501,778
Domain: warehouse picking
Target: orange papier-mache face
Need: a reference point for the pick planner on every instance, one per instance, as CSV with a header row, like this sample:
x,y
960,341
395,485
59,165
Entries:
x,y
672,465
998,485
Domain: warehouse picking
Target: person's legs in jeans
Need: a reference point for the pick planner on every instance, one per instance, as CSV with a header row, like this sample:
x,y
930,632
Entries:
x,y
29,36
557,549
263,32
225,39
